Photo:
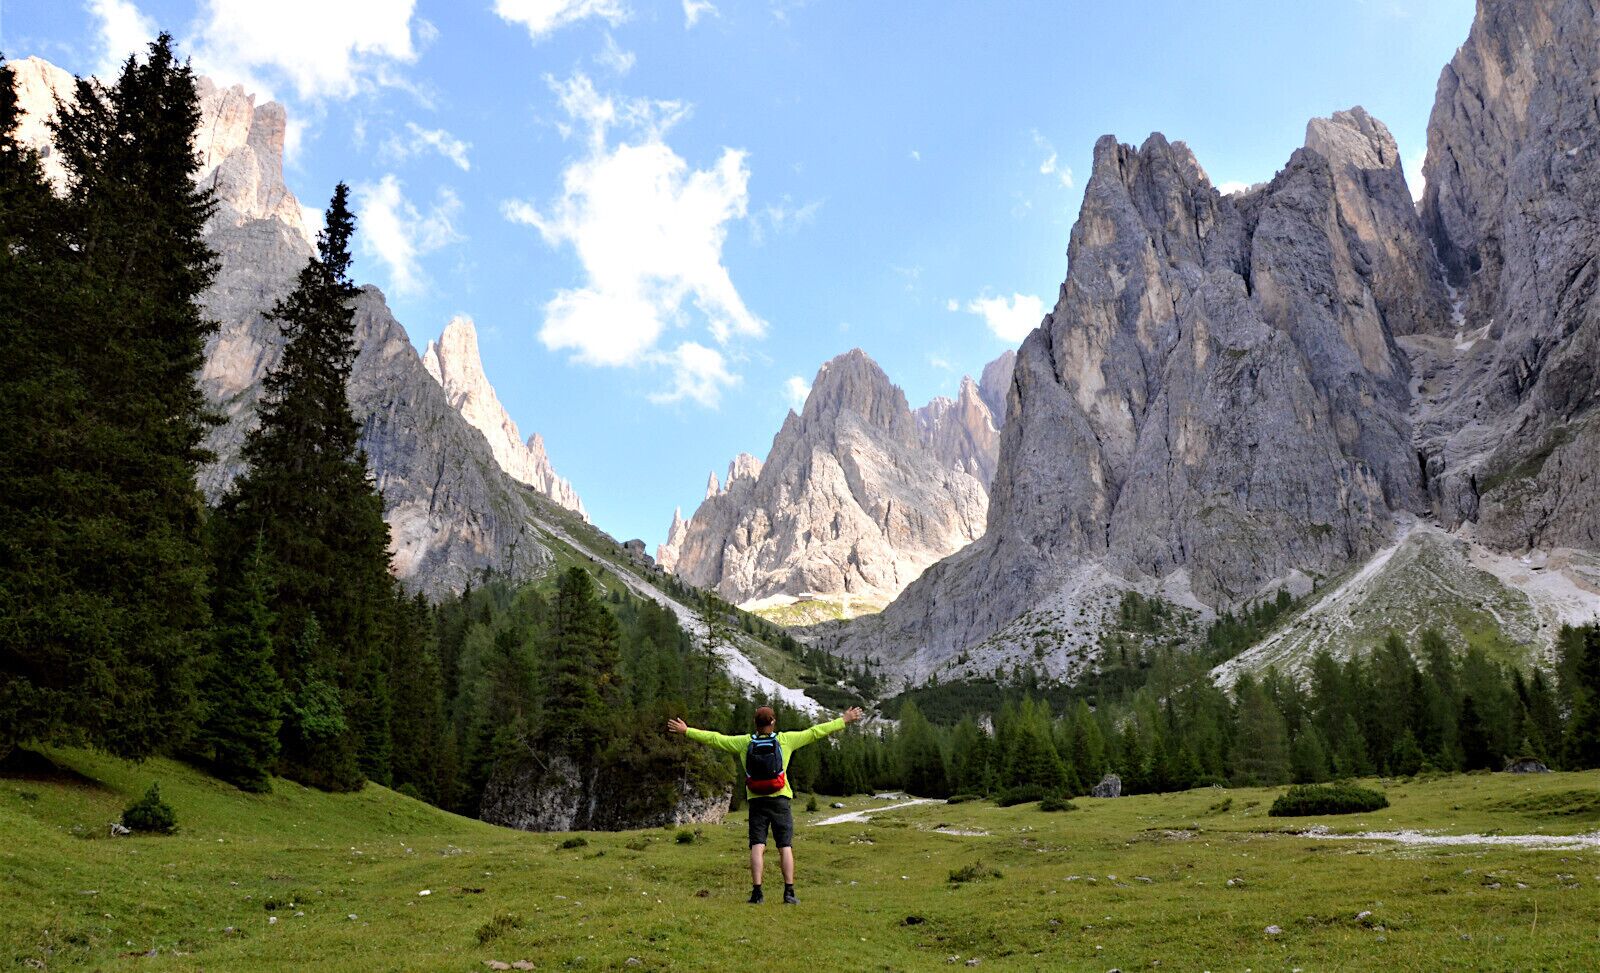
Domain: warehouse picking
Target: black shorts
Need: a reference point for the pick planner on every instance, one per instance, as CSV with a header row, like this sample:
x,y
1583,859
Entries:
x,y
773,811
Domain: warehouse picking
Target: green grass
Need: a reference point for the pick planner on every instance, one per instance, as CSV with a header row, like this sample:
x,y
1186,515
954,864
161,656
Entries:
x,y
1117,884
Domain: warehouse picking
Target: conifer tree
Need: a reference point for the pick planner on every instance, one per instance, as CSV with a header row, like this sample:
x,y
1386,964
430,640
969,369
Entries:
x,y
242,694
1261,748
103,572
582,673
307,494
1309,760
918,754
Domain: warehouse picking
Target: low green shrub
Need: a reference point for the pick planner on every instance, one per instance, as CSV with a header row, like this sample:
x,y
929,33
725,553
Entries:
x,y
1026,794
686,837
963,798
498,926
576,841
811,804
150,814
1337,798
973,872
1057,804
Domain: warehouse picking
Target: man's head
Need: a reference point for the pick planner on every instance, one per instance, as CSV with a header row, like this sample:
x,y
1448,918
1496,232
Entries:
x,y
765,719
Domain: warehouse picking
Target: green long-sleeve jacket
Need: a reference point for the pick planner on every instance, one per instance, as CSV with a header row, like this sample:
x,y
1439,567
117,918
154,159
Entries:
x,y
789,740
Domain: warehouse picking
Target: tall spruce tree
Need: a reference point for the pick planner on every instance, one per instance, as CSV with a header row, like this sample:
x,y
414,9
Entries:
x,y
243,695
103,570
582,675
308,496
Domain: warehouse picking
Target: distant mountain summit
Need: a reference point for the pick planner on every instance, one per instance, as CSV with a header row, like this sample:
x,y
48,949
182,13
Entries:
x,y
454,363
857,495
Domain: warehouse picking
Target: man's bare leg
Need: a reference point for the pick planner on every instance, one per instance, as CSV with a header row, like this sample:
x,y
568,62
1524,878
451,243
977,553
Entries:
x,y
757,860
786,858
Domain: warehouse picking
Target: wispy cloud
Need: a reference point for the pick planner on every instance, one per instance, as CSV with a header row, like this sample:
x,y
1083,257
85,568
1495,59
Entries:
x,y
614,58
783,217
424,140
693,10
392,229
544,17
1050,166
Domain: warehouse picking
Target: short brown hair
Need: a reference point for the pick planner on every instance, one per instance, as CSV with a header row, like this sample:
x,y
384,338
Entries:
x,y
765,717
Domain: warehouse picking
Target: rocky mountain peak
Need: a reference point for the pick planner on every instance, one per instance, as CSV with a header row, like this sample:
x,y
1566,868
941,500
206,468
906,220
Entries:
x,y
961,432
667,554
743,466
455,363
994,384
853,384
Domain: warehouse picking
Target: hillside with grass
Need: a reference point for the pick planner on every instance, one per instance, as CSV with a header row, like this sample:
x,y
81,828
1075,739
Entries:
x,y
299,879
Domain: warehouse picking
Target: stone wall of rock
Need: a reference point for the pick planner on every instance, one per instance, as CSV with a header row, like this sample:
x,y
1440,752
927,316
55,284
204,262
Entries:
x,y
554,794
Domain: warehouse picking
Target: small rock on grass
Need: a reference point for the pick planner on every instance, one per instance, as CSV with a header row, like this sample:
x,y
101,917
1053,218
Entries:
x,y
495,964
1274,931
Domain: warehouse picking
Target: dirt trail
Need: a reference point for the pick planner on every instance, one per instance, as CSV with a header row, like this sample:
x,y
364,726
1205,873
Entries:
x,y
1546,842
860,817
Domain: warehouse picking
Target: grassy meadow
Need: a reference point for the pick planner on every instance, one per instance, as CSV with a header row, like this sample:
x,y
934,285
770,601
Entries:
x,y
1187,881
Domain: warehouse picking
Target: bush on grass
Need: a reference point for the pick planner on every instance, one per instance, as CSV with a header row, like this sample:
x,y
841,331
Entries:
x,y
150,814
1337,798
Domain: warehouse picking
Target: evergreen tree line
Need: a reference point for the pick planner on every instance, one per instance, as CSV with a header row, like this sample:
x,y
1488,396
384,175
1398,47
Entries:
x,y
1400,710
574,671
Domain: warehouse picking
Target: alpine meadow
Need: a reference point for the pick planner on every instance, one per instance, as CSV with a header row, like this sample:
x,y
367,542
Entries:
x,y
1237,608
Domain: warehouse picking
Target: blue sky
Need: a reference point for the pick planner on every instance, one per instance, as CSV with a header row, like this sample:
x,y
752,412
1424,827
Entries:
x,y
663,215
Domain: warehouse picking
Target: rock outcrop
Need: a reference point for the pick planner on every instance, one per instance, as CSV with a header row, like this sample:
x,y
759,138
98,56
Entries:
x,y
667,554
1216,401
849,500
454,363
994,384
451,511
555,794
1508,426
962,432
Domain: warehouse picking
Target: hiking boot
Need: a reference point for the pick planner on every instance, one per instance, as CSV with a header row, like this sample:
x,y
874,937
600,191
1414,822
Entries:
x,y
755,896
789,898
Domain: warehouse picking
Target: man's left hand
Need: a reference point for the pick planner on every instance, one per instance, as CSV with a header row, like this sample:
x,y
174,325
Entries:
x,y
852,714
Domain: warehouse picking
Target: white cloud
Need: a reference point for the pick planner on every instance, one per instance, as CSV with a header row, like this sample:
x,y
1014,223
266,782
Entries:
x,y
952,305
614,58
940,363
649,231
796,389
423,139
1050,166
783,217
1413,170
1233,188
916,156
698,373
323,49
123,31
1010,319
544,17
391,228
693,10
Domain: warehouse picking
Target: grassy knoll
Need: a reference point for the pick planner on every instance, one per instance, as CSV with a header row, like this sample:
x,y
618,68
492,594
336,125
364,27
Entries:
x,y
1119,884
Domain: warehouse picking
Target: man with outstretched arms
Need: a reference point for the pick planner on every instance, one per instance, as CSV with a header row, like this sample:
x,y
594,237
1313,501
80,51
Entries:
x,y
764,758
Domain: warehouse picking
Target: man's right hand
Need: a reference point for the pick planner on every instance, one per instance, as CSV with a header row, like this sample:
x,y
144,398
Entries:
x,y
676,725
852,714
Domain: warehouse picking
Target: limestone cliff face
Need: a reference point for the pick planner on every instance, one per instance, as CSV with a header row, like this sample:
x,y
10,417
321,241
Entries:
x,y
962,432
454,363
1508,418
451,510
994,385
849,500
667,554
1215,402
